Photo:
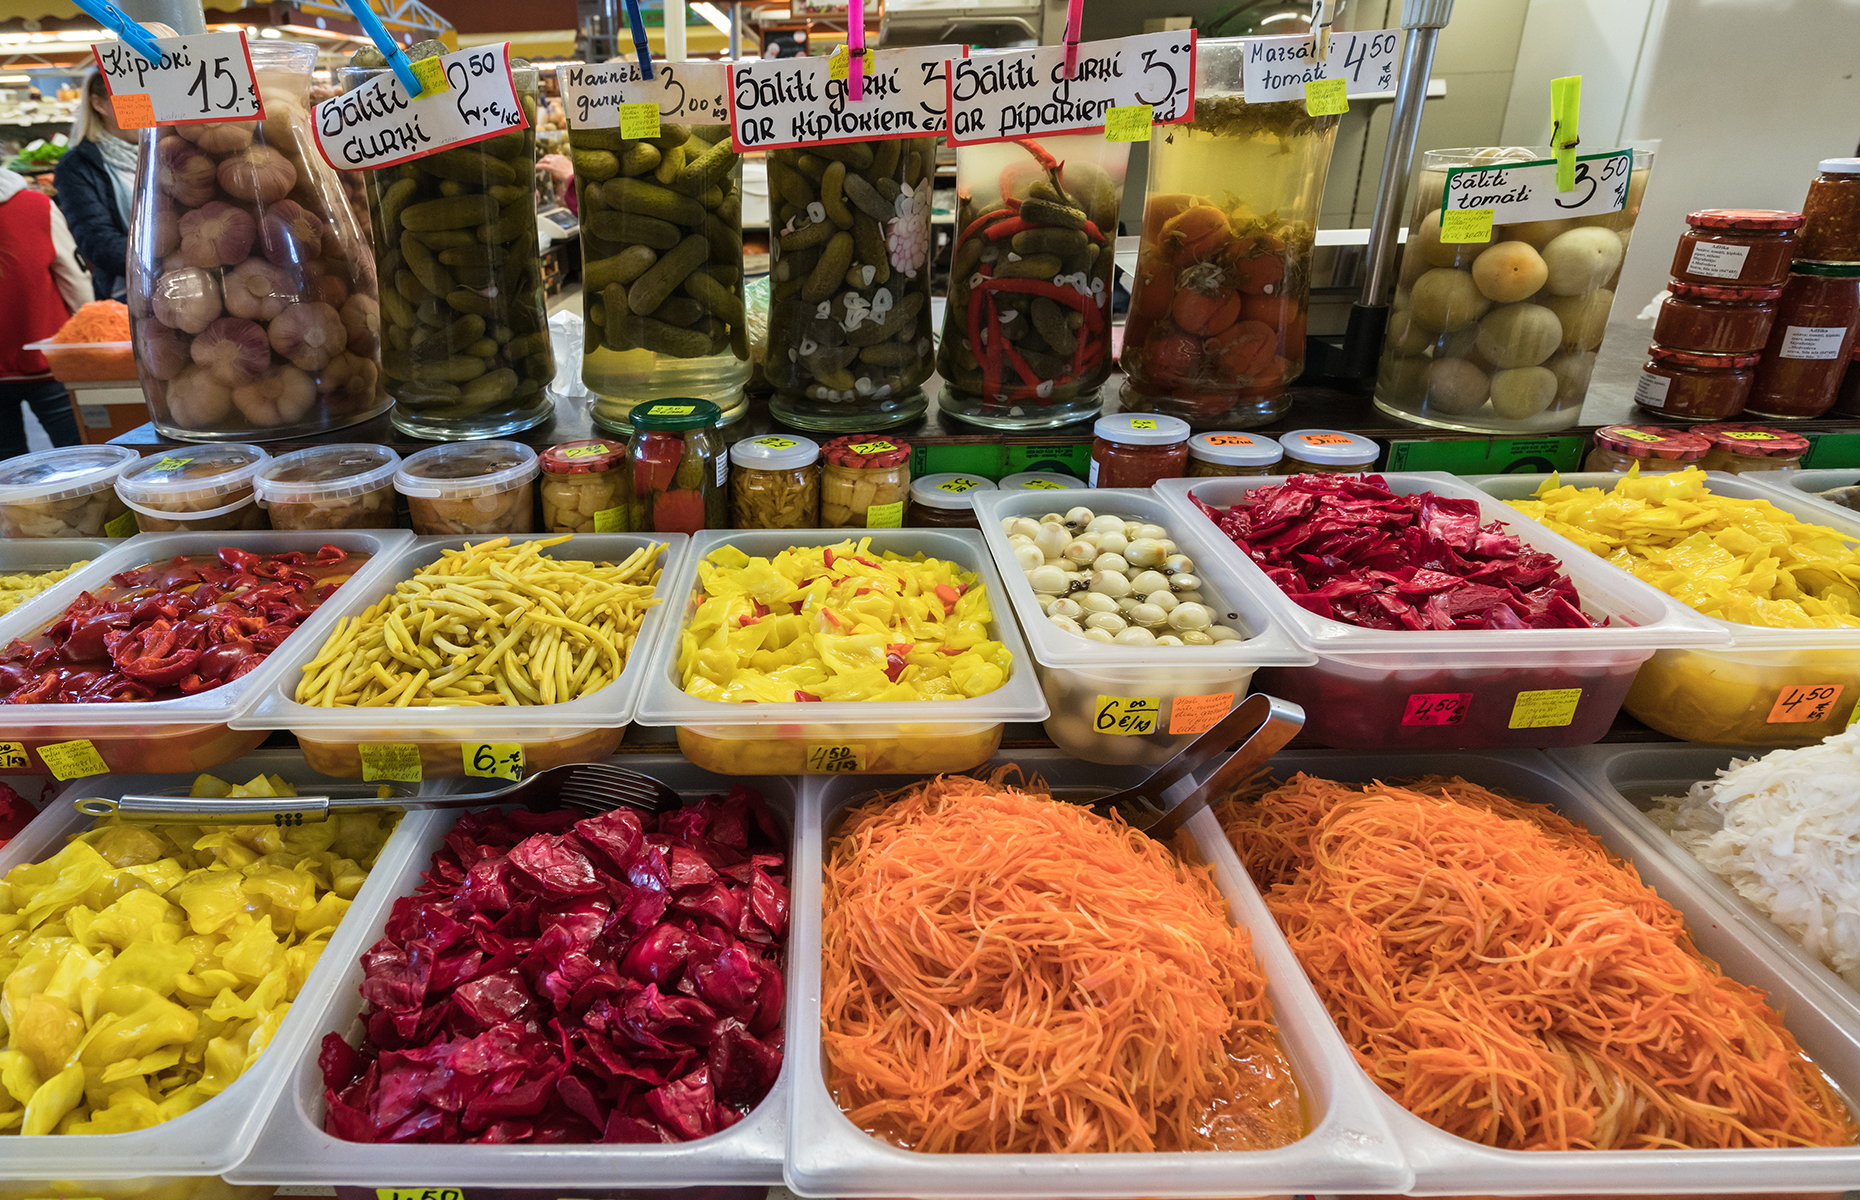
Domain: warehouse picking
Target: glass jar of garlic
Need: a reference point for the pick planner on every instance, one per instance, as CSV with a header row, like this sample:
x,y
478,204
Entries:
x,y
585,488
775,482
66,492
345,486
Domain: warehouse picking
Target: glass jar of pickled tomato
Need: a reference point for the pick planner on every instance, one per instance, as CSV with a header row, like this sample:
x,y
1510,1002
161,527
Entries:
x,y
1831,225
1650,447
1691,386
1214,454
1810,341
1134,450
1715,318
1752,246
1326,452
1739,448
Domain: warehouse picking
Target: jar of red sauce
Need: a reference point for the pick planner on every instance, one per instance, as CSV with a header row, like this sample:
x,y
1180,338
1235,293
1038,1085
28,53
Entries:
x,y
1740,448
1810,342
1716,318
1649,447
1847,403
1752,246
1693,386
1831,230
1134,450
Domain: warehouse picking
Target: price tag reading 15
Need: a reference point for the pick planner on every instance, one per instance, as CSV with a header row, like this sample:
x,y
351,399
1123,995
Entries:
x,y
200,77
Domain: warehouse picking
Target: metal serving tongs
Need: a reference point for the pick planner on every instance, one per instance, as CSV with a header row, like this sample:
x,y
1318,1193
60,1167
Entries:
x,y
587,787
1256,729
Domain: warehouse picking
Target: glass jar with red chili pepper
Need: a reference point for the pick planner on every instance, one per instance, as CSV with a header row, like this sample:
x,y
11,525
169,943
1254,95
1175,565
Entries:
x,y
866,482
1652,448
1831,229
679,467
1751,246
1715,319
1739,448
1692,386
1811,341
1134,450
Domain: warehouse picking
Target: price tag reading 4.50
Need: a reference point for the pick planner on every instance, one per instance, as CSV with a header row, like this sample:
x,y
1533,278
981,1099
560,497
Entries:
x,y
494,760
1127,716
835,760
201,77
1436,708
378,125
1805,702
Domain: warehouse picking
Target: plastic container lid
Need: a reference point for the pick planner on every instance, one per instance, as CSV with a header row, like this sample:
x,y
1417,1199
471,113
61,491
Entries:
x,y
62,473
583,458
1839,166
1696,358
1652,441
775,452
1053,481
1722,292
1236,449
326,473
1329,448
952,489
466,469
867,452
1757,441
1141,429
1772,219
186,475
676,415
1837,270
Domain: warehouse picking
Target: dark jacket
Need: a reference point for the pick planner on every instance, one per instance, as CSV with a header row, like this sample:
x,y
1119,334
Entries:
x,y
88,197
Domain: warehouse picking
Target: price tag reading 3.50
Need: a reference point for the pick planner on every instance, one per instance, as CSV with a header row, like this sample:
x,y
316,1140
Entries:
x,y
201,77
378,125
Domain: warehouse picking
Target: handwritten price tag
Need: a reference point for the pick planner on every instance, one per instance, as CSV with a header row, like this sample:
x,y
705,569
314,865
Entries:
x,y
835,760
378,125
839,63
885,516
1635,435
873,447
1324,439
639,120
1325,98
73,760
773,442
1198,714
494,760
13,757
1526,191
1747,435
611,520
1545,709
1805,702
608,95
1046,485
1127,716
796,101
1436,708
1130,123
432,76
1023,93
200,77
956,485
418,1193
397,761
1283,68
1231,439
1467,227
171,464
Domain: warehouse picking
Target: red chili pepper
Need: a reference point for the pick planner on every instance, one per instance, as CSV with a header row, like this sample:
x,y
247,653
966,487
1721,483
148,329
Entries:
x,y
894,667
1020,365
991,354
1091,231
800,695
987,218
1070,297
1010,228
948,595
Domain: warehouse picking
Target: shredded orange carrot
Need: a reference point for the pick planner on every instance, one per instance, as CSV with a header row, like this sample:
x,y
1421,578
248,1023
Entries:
x,y
1505,978
1009,973
98,321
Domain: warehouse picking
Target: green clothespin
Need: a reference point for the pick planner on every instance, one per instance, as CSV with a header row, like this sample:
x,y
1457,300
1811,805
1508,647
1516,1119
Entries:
x,y
1565,105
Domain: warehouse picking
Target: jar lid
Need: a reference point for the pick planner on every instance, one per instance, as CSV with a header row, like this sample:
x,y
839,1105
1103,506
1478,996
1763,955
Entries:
x,y
949,490
1053,481
866,452
582,458
775,452
1236,449
1653,441
1837,270
1722,292
1696,358
676,414
62,473
1744,218
464,469
326,473
1758,441
1839,166
194,473
1329,447
1141,429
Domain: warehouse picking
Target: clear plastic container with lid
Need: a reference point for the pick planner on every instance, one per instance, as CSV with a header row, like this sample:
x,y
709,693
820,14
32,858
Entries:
x,y
1039,481
866,482
1652,448
1740,448
1831,226
1326,451
199,487
347,486
69,491
775,482
470,487
1810,343
1690,386
1213,454
679,466
1715,319
945,501
1134,450
584,487
1751,246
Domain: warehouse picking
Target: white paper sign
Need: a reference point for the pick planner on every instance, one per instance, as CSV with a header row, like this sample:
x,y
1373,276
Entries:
x,y
376,125
694,92
1021,93
1808,341
201,77
792,102
1526,191
1277,68
1650,390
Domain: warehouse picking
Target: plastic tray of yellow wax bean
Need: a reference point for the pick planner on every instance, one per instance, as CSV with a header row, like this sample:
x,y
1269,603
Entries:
x,y
294,1149
1770,686
876,736
1838,487
346,731
188,732
182,1158
29,567
1346,1145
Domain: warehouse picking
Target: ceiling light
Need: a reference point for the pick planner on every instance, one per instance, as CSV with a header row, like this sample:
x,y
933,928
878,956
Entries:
x,y
709,13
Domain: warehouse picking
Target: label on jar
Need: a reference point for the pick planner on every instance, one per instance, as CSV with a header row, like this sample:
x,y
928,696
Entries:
x,y
432,76
723,470
1325,439
594,450
872,447
610,520
1230,439
774,442
640,120
835,760
1047,485
1280,68
379,125
1649,392
1198,714
1545,709
1717,261
397,761
1436,708
1466,227
123,526
1526,191
201,77
611,94
13,756
1143,423
1129,123
73,760
419,1193
1091,476
1747,435
1804,702
885,516
999,95
1326,98
1126,716
782,102
1807,341
957,485
493,760
166,463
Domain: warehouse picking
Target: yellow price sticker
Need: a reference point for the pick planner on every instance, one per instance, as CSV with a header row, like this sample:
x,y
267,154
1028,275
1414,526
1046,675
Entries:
x,y
73,760
1127,716
493,760
639,120
397,761
1143,423
885,516
1128,123
611,520
872,447
839,63
777,443
1326,98
1044,485
431,72
172,464
673,410
13,756
1464,227
835,760
1546,709
956,485
418,1193
1635,435
1747,435
123,526
593,451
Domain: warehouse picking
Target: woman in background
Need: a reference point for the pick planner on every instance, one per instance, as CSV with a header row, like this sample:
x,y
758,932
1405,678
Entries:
x,y
41,285
96,180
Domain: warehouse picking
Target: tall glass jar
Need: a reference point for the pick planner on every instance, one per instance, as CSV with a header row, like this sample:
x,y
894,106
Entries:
x,y
1810,342
465,334
1217,314
849,342
1832,229
662,269
1027,333
1501,336
679,467
252,297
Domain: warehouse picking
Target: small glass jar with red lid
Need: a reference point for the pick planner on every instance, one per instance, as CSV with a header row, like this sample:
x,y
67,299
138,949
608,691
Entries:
x,y
1831,229
1134,450
1695,387
585,487
865,482
1751,246
1810,342
1649,447
1740,448
1716,318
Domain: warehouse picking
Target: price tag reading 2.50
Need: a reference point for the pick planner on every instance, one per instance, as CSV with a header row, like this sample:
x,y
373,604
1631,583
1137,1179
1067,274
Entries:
x,y
379,125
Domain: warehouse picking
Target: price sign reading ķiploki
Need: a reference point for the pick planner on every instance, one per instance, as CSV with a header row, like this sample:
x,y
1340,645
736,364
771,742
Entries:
x,y
1526,191
201,77
378,125
695,93
787,102
1023,93
1278,68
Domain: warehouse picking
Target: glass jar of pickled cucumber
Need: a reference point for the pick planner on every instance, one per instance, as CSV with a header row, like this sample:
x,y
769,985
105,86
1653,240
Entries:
x,y
662,273
679,466
849,342
1027,333
464,327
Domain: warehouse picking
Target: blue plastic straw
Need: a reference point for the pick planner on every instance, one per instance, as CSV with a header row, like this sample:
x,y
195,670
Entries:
x,y
384,42
639,38
108,15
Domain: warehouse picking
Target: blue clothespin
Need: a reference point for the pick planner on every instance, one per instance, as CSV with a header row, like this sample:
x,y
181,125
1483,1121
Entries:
x,y
384,42
110,17
639,38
